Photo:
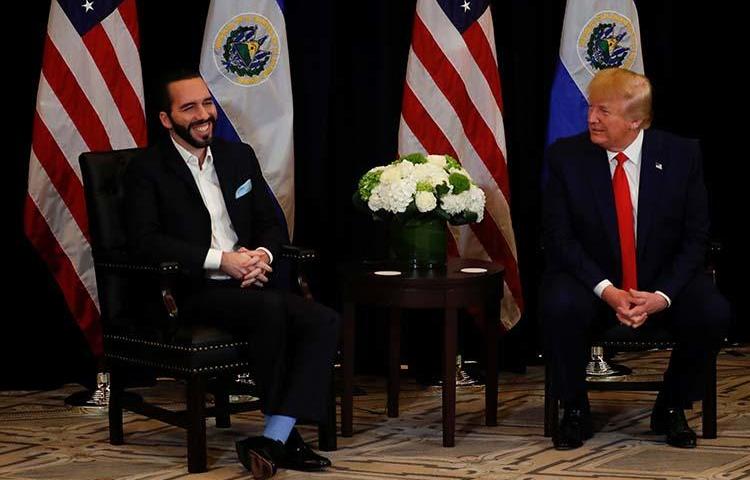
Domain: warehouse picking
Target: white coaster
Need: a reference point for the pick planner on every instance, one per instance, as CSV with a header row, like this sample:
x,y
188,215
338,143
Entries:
x,y
387,273
474,270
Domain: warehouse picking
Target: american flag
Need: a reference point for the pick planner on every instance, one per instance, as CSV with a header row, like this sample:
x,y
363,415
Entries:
x,y
452,105
90,98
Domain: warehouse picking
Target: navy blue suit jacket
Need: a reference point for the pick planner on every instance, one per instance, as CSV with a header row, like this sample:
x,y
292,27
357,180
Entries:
x,y
580,225
167,219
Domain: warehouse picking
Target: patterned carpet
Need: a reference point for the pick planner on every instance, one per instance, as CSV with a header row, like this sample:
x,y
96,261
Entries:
x,y
41,439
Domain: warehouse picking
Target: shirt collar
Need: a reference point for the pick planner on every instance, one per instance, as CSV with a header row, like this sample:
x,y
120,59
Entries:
x,y
189,158
632,151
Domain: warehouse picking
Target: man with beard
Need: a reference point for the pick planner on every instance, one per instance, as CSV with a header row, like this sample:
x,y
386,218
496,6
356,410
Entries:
x,y
203,202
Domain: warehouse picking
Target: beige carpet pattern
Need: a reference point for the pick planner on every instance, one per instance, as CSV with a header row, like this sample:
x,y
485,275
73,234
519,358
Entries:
x,y
41,439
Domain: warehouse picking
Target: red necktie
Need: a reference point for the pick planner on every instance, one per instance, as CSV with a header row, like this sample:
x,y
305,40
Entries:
x,y
625,227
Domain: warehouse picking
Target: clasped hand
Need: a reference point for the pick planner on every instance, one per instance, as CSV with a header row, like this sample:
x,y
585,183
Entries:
x,y
249,266
633,307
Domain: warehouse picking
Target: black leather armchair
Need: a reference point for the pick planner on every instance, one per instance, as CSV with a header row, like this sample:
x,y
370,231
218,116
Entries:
x,y
625,339
141,321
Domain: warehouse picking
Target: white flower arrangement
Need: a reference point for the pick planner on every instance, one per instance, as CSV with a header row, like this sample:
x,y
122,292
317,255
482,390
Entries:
x,y
422,185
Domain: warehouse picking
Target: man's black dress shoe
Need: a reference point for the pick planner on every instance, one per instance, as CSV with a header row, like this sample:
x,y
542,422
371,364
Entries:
x,y
299,456
575,427
260,455
672,422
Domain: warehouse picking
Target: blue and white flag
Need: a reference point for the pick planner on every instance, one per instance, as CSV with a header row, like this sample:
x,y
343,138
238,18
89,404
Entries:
x,y
245,62
597,34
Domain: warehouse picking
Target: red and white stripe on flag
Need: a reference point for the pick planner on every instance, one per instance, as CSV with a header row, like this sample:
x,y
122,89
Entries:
x,y
90,98
452,105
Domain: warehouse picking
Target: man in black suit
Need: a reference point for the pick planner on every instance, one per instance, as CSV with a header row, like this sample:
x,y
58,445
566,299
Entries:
x,y
625,233
204,203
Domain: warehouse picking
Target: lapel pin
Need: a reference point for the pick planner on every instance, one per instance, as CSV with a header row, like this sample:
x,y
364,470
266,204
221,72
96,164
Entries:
x,y
658,166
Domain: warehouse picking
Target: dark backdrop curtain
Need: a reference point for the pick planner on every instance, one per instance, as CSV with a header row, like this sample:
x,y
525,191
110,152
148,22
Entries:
x,y
348,61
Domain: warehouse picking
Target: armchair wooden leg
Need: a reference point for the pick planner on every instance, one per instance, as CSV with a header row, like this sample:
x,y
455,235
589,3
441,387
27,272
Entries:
x,y
116,436
221,401
196,424
491,323
394,361
709,403
327,428
450,330
347,370
551,407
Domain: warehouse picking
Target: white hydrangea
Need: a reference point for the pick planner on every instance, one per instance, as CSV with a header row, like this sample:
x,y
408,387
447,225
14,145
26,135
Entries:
x,y
471,200
393,196
453,204
397,188
476,202
426,201
391,173
427,172
437,160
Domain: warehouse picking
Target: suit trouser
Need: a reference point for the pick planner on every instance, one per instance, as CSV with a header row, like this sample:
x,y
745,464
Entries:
x,y
292,343
698,319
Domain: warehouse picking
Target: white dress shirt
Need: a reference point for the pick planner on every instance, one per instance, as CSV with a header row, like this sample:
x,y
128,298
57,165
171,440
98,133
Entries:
x,y
223,236
632,167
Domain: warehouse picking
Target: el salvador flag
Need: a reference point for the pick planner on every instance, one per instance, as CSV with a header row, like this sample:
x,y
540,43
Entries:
x,y
596,34
245,62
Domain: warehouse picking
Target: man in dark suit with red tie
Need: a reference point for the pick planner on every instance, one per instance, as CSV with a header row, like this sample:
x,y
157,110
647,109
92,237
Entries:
x,y
625,233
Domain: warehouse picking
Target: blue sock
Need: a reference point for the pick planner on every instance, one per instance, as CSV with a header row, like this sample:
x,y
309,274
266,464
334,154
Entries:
x,y
278,427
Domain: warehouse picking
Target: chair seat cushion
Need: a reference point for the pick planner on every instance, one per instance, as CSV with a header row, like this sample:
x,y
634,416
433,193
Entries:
x,y
627,338
194,349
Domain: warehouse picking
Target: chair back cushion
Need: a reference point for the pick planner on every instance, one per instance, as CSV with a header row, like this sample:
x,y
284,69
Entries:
x,y
103,184
127,302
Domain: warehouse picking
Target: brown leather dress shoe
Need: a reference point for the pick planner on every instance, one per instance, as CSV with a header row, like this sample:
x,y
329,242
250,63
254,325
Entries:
x,y
260,455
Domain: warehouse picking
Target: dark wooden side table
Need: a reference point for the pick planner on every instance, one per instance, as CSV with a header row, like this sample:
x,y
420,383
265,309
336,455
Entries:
x,y
449,289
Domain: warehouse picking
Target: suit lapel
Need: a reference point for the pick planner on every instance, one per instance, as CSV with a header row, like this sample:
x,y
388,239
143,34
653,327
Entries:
x,y
176,163
648,189
226,172
601,183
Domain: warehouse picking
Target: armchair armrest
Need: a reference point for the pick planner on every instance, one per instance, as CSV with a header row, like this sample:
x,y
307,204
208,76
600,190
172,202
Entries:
x,y
300,258
167,272
298,254
165,268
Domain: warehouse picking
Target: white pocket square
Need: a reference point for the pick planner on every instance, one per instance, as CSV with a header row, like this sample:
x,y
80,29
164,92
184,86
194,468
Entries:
x,y
243,189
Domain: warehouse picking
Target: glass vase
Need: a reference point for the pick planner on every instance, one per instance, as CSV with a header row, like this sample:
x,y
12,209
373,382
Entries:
x,y
419,243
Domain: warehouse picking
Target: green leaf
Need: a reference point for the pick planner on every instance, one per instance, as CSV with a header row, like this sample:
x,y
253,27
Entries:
x,y
463,218
441,214
451,163
359,203
368,181
442,189
415,158
411,209
460,182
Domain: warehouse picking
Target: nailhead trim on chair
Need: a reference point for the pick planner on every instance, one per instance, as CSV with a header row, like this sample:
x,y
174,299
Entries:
x,y
146,363
636,345
145,268
167,267
176,347
302,256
